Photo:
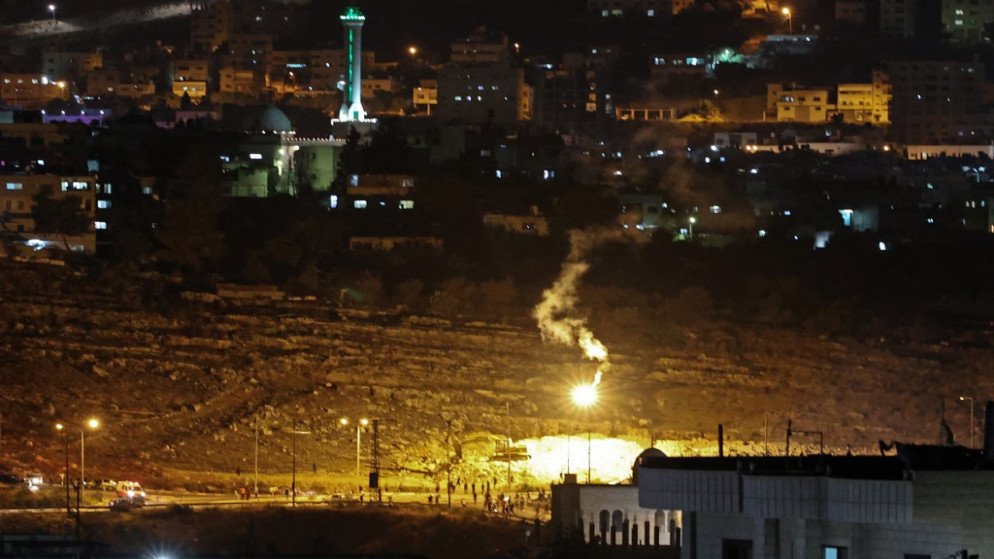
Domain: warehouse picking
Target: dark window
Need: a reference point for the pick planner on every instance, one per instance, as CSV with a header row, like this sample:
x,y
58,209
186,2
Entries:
x,y
736,549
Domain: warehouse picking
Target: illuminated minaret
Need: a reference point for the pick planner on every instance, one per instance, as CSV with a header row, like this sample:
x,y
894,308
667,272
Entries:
x,y
352,110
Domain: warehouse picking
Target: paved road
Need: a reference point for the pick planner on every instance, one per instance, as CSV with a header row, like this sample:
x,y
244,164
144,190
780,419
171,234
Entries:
x,y
531,510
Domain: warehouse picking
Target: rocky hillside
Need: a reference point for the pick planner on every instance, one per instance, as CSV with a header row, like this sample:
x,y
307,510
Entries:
x,y
180,384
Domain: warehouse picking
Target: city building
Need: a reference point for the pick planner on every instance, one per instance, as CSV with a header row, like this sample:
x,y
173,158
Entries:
x,y
190,77
268,158
865,103
646,8
481,95
425,95
532,223
17,199
69,66
30,91
851,11
680,66
899,18
790,103
481,47
937,101
121,83
963,21
376,192
925,501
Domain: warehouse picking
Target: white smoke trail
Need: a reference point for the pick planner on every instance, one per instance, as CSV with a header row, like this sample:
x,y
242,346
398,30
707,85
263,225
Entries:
x,y
554,312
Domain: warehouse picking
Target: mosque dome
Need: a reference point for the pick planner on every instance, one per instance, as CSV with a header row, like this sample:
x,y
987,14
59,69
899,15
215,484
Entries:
x,y
646,454
268,119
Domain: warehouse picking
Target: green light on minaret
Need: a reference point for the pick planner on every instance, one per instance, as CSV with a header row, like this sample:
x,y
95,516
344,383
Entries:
x,y
351,47
352,14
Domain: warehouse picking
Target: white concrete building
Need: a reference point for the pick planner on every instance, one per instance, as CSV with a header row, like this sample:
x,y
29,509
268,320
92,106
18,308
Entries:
x,y
927,502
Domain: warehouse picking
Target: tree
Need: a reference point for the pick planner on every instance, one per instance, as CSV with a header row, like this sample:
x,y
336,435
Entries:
x,y
65,215
189,232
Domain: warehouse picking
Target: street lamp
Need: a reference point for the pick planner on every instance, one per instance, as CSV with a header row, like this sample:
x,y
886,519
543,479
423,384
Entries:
x,y
584,396
65,440
293,479
691,223
963,399
412,50
790,24
358,439
51,8
92,424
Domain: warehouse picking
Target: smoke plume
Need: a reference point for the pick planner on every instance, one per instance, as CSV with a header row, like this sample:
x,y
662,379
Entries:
x,y
555,313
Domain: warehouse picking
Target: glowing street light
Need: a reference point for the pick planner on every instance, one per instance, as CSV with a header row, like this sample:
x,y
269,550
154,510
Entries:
x,y
65,440
412,50
293,479
790,25
92,423
51,8
963,399
691,223
584,396
358,438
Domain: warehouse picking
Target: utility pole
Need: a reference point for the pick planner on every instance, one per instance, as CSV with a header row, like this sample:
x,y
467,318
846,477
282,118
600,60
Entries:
x,y
448,461
256,457
376,459
508,408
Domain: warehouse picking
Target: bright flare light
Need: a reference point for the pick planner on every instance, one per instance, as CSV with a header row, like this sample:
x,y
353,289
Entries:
x,y
585,395
93,424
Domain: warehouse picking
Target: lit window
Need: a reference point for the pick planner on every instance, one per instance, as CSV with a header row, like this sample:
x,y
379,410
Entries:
x,y
103,204
359,204
650,12
407,204
333,201
15,186
255,156
100,225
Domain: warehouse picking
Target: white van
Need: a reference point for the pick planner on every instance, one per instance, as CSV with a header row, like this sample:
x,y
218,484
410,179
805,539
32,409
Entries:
x,y
130,490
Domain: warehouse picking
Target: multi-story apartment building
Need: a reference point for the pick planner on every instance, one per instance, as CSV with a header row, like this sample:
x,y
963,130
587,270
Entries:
x,y
210,26
851,11
496,94
57,65
963,20
425,96
190,77
865,102
316,69
898,17
249,50
236,80
936,101
793,104
480,85
649,8
17,200
481,47
136,82
30,90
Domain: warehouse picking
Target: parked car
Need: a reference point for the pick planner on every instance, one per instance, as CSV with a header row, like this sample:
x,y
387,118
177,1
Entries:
x,y
34,479
105,484
125,504
10,479
130,490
